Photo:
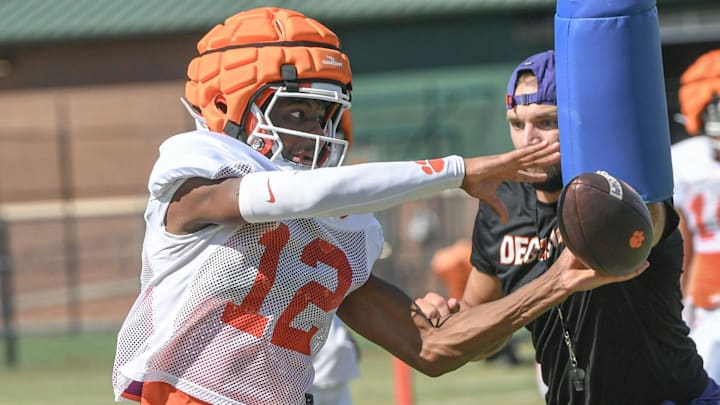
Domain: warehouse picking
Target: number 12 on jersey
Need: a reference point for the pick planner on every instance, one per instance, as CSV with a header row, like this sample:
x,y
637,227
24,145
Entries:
x,y
246,316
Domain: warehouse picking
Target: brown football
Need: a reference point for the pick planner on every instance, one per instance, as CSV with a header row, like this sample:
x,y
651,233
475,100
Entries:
x,y
605,223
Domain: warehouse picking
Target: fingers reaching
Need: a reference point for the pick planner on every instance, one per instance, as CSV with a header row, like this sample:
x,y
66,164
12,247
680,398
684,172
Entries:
x,y
635,272
549,151
535,155
484,174
435,307
529,177
578,277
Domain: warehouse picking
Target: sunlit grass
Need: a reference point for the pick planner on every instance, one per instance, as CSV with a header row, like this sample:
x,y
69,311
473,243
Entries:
x,y
75,370
475,383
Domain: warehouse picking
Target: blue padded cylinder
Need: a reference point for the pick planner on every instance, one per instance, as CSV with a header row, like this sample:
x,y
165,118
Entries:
x,y
612,108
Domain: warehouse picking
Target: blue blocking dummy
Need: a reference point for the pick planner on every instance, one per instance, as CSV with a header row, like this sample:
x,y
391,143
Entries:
x,y
611,93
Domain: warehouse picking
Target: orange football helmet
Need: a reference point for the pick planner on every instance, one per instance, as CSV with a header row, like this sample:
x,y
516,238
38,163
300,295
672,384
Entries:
x,y
259,56
698,95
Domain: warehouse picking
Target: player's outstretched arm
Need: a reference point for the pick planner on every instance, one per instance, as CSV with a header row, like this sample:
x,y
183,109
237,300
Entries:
x,y
387,316
333,192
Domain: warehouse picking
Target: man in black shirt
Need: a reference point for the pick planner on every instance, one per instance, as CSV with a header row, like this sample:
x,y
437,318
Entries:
x,y
622,343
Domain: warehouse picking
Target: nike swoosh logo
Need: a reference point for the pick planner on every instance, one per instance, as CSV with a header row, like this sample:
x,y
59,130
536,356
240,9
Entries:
x,y
271,200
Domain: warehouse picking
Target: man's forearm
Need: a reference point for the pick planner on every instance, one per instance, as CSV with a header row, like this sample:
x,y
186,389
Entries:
x,y
477,331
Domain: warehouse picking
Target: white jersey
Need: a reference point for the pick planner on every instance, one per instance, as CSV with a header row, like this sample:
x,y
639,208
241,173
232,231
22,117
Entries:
x,y
697,195
697,191
233,314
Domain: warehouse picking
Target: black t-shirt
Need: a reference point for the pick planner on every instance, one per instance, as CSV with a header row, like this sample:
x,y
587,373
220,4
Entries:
x,y
628,337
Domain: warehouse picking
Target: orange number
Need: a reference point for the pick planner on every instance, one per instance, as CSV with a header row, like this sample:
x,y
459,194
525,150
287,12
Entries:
x,y
245,316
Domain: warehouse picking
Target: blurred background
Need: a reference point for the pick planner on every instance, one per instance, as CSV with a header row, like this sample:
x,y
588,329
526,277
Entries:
x,y
89,89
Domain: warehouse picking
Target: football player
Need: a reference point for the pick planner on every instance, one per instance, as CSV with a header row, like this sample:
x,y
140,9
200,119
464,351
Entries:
x,y
255,237
696,171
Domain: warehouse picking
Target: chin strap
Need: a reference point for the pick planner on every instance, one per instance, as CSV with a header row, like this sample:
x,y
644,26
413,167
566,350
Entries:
x,y
200,122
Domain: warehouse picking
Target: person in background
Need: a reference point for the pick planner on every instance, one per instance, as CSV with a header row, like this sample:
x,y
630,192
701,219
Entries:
x,y
696,172
335,365
451,265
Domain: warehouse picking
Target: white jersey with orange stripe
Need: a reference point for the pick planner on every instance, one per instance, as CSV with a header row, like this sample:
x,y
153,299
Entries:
x,y
232,314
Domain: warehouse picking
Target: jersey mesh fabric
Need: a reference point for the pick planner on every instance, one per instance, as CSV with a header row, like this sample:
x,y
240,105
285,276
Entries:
x,y
236,321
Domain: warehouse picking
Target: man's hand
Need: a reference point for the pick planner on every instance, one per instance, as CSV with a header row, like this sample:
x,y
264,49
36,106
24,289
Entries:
x,y
573,276
576,276
484,174
436,308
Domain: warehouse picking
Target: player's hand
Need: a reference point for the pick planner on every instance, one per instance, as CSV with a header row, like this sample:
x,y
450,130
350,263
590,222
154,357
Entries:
x,y
436,308
577,276
484,174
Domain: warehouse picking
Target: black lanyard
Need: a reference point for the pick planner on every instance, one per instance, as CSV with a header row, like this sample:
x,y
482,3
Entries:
x,y
575,374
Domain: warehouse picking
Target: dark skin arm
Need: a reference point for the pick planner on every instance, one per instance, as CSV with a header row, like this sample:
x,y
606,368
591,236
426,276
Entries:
x,y
387,316
200,202
482,288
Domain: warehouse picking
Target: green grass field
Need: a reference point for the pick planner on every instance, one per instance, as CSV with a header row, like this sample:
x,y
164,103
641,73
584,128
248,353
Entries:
x,y
75,370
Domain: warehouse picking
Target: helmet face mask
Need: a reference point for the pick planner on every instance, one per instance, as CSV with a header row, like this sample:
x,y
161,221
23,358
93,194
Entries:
x,y
711,117
266,136
711,121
